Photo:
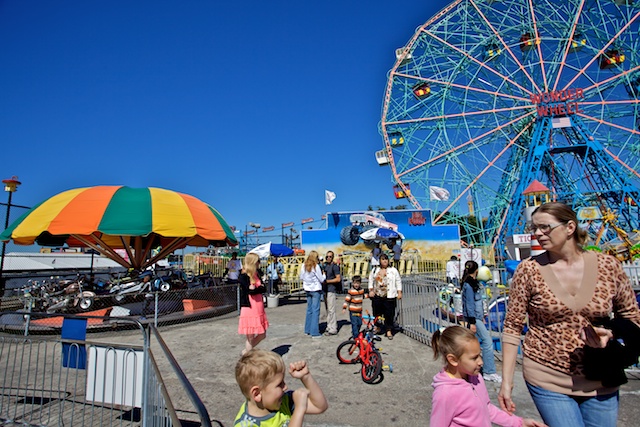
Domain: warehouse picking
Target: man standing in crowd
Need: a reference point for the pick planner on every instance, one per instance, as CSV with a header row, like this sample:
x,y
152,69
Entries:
x,y
234,266
333,282
375,255
275,270
397,252
453,271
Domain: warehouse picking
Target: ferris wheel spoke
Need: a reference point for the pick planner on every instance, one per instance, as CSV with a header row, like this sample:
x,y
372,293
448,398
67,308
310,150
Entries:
x,y
461,115
622,102
601,51
536,35
608,151
568,44
480,63
489,165
464,144
612,78
464,87
506,46
500,226
604,122
619,160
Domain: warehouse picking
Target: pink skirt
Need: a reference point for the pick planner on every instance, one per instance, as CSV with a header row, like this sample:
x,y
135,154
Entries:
x,y
253,320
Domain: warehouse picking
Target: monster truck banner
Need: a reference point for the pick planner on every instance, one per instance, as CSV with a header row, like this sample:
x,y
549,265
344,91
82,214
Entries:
x,y
422,239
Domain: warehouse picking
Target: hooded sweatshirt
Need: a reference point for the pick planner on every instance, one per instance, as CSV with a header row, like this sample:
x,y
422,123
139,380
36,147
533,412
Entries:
x,y
460,403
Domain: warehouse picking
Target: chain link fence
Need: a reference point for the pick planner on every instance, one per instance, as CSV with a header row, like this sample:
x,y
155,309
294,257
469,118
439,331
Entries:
x,y
157,308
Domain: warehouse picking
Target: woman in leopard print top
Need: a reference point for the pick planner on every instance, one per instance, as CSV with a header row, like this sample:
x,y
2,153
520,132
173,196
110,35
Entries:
x,y
562,291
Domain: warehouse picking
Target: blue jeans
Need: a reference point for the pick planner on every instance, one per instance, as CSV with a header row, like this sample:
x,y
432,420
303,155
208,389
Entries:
x,y
558,409
356,324
486,344
312,321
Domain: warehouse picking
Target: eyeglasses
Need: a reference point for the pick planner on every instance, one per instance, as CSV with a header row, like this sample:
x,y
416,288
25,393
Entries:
x,y
329,256
544,228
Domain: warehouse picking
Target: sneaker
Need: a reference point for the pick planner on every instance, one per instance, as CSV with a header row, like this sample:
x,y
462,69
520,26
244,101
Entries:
x,y
494,378
316,336
327,333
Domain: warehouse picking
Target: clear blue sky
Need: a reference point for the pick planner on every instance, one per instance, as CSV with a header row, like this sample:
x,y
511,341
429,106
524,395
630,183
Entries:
x,y
255,107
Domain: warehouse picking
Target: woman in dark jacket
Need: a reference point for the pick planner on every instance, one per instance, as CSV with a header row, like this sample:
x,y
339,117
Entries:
x,y
253,319
473,311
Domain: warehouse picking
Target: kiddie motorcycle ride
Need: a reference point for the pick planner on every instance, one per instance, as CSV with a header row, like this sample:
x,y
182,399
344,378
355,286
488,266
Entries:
x,y
143,283
66,295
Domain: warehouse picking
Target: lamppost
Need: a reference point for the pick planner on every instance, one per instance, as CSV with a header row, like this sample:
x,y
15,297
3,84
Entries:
x,y
246,234
292,237
10,186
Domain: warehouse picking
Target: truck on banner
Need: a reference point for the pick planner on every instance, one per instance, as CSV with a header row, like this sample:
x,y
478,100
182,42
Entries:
x,y
412,229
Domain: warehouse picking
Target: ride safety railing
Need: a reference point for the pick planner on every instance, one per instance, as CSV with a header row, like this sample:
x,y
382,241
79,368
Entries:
x,y
428,304
64,379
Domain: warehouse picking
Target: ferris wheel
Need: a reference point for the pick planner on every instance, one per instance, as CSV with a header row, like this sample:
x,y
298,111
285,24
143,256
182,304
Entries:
x,y
488,96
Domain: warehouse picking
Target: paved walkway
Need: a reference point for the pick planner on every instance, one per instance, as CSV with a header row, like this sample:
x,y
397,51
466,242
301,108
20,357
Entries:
x,y
208,350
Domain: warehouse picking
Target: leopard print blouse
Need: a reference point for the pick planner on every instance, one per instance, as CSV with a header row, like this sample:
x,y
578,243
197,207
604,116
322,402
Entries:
x,y
556,316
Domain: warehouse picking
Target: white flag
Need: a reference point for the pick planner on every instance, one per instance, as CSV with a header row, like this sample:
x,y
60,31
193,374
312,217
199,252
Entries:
x,y
329,197
438,193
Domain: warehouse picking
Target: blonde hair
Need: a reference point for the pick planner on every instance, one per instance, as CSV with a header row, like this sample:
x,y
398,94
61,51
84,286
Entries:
x,y
257,368
450,341
311,261
250,262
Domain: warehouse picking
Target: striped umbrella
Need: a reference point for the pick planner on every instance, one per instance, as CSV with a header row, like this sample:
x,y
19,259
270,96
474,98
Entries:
x,y
106,218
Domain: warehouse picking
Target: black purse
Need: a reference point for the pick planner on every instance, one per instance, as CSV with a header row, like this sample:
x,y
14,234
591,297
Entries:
x,y
608,364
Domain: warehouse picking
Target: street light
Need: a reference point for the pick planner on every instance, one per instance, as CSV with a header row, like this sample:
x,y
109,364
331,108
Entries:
x,y
10,186
292,237
246,234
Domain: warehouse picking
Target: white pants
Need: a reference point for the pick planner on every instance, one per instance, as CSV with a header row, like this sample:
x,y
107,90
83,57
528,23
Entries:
x,y
332,320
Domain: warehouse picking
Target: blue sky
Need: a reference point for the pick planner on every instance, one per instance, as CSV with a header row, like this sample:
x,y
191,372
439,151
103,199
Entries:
x,y
254,107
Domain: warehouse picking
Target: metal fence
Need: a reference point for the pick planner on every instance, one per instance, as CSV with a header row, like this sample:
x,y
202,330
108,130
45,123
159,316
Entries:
x,y
350,265
157,308
55,380
429,304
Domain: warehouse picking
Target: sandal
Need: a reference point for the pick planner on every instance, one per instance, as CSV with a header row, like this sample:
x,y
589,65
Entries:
x,y
390,336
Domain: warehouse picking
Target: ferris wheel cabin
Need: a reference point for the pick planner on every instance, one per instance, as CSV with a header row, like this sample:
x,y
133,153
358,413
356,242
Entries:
x,y
577,43
403,59
491,51
382,158
396,139
399,192
528,41
610,59
422,90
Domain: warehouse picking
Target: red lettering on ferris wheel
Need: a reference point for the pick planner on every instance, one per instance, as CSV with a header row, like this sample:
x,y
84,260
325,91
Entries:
x,y
558,102
557,96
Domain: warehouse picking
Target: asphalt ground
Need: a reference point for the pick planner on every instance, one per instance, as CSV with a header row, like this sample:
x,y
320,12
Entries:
x,y
208,350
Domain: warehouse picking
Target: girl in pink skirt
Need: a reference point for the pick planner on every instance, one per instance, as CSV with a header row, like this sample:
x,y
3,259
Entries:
x,y
253,319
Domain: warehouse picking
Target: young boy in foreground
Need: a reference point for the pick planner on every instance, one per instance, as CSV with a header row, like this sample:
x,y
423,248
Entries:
x,y
260,375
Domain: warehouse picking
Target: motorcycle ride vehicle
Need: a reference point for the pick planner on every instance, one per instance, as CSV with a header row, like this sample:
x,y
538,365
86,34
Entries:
x,y
67,296
143,283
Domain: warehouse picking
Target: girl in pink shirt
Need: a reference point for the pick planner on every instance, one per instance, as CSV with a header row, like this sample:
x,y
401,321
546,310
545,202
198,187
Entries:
x,y
460,397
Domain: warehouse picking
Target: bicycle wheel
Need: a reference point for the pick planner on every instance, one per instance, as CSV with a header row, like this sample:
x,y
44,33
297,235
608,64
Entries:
x,y
348,352
371,368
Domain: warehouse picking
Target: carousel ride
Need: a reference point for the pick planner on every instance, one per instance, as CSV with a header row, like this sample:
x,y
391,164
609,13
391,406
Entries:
x,y
489,96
